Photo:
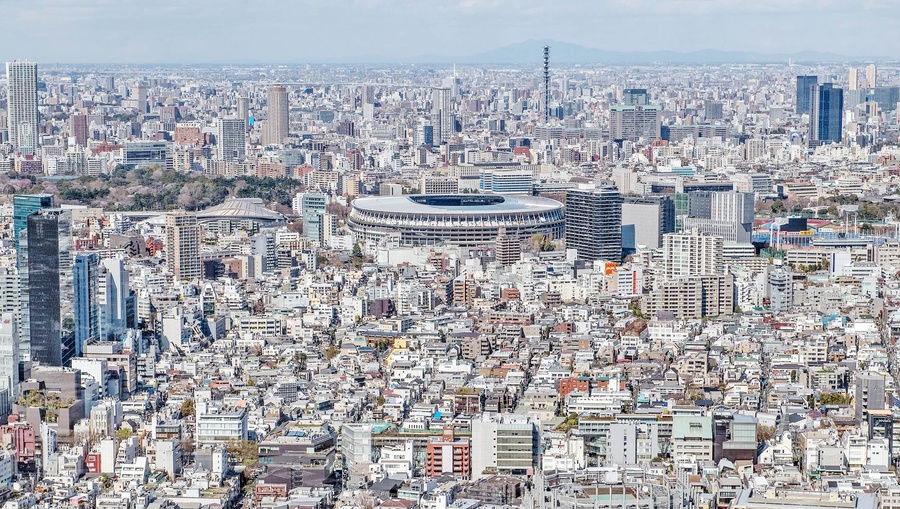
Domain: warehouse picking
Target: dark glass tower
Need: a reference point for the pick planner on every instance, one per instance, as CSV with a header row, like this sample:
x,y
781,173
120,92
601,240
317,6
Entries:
x,y
47,292
805,86
826,120
23,206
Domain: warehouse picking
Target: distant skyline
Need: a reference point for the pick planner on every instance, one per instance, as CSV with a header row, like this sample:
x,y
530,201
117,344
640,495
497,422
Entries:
x,y
285,31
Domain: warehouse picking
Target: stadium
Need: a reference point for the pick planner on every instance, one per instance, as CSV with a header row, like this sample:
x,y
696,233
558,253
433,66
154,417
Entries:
x,y
456,219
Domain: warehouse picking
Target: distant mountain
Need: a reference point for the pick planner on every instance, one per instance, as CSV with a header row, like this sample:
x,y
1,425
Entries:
x,y
567,53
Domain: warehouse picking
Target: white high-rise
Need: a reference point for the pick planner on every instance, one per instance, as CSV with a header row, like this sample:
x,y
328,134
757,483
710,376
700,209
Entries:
x,y
9,359
870,76
693,254
441,117
22,115
853,81
113,290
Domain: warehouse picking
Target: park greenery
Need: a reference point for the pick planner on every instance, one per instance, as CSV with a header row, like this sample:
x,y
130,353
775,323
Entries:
x,y
155,188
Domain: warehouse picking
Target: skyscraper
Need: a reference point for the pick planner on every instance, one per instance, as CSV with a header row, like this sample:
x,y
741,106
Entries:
x,y
853,81
635,97
48,335
23,206
594,223
727,214
9,358
805,85
632,123
243,110
139,96
693,253
870,76
22,116
85,273
826,119
78,128
114,293
645,220
441,117
230,142
183,245
278,122
313,207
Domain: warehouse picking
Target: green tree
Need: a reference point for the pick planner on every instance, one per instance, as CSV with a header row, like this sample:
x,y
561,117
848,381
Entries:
x,y
123,434
357,251
834,398
331,352
187,408
245,452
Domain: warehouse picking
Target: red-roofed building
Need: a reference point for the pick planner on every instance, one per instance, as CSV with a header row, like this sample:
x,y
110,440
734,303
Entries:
x,y
570,384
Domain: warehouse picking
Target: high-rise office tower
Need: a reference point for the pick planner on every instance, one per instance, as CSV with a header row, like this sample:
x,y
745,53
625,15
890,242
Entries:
x,y
870,76
424,135
693,253
594,223
230,142
645,220
727,214
243,110
47,333
714,110
826,119
441,117
367,94
139,96
183,245
22,109
114,293
853,81
278,123
23,206
805,85
632,123
313,206
9,358
78,128
85,273
635,97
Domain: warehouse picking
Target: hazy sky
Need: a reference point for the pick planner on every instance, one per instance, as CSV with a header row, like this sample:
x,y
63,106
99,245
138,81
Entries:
x,y
341,30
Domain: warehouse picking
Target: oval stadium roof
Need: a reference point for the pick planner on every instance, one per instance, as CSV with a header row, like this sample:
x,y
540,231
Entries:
x,y
240,209
456,204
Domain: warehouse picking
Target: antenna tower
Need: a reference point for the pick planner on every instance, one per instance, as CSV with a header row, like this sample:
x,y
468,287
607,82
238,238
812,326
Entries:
x,y
546,85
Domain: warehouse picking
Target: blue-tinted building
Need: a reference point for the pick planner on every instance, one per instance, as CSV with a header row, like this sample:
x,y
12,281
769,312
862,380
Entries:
x,y
23,206
313,207
805,86
85,272
507,180
886,97
46,294
826,120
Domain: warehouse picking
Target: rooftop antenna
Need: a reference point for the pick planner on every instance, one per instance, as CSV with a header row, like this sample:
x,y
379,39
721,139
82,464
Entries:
x,y
546,85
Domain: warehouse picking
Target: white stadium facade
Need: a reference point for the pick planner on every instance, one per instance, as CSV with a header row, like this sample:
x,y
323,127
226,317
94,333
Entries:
x,y
454,219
